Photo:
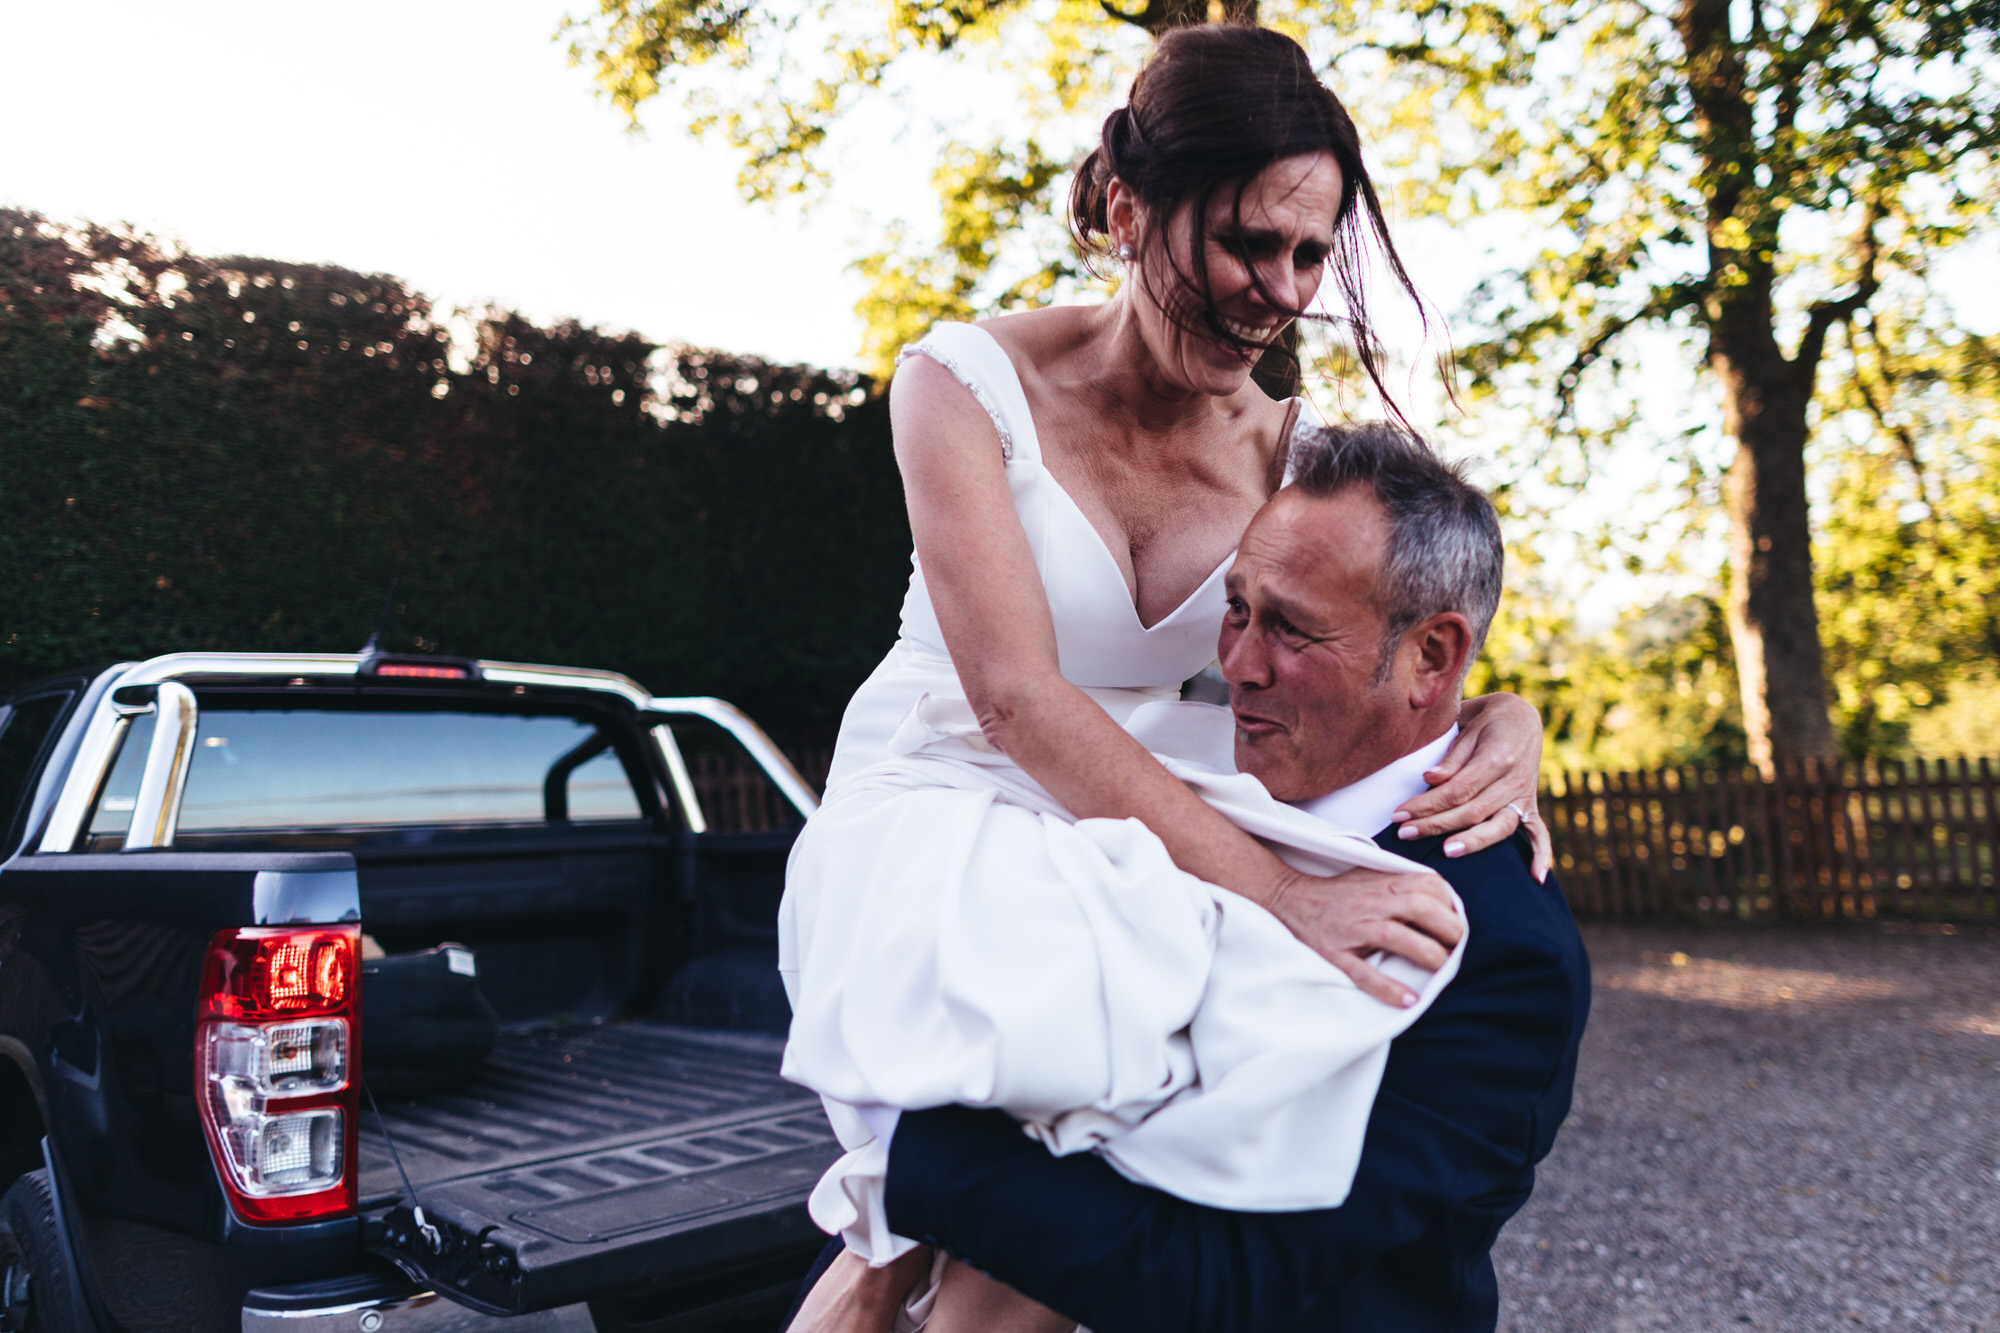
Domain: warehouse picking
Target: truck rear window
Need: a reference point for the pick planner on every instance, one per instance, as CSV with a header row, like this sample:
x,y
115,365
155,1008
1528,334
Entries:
x,y
305,768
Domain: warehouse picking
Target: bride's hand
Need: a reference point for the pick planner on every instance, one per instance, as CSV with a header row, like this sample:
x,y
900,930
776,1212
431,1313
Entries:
x,y
1353,915
1485,786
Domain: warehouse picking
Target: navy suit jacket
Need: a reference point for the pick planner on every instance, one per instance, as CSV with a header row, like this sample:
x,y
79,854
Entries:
x,y
1471,1099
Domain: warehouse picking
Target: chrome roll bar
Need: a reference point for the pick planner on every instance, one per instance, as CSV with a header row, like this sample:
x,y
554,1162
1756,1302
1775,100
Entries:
x,y
157,810
752,738
158,806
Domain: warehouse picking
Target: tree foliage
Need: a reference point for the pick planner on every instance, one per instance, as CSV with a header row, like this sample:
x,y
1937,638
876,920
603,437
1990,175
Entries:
x,y
985,195
1909,553
1657,688
1760,174
239,454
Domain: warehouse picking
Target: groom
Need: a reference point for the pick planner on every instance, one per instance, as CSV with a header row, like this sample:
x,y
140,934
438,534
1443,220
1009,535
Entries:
x,y
1357,601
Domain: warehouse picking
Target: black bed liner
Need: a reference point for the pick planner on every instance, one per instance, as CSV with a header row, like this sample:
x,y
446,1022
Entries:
x,y
584,1155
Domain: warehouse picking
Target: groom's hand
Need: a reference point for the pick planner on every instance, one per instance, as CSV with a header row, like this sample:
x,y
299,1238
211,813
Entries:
x,y
1354,915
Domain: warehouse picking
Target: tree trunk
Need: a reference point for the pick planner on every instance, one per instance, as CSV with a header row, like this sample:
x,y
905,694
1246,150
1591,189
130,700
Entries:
x,y
1772,619
1773,622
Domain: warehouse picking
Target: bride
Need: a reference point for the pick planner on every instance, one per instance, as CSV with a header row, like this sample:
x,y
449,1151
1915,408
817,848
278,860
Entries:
x,y
1077,480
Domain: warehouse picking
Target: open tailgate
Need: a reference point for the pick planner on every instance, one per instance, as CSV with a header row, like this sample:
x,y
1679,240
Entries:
x,y
587,1161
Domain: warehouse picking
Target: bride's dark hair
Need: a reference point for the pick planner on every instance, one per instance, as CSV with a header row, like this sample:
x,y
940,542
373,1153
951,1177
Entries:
x,y
1211,108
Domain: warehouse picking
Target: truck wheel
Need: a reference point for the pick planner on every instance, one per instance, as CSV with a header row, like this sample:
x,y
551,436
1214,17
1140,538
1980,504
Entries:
x,y
34,1263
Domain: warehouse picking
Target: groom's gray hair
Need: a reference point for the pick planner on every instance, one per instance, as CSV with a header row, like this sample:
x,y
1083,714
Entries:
x,y
1445,551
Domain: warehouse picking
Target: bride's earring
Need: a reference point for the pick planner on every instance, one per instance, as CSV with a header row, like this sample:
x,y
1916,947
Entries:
x,y
1126,254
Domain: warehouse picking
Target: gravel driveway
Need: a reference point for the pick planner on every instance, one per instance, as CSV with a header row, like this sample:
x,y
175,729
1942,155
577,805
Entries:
x,y
1775,1128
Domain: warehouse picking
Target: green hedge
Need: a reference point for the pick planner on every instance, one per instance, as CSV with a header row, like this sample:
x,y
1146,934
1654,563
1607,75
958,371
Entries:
x,y
241,454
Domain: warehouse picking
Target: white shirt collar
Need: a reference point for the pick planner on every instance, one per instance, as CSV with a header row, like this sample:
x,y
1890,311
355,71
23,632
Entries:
x,y
1366,806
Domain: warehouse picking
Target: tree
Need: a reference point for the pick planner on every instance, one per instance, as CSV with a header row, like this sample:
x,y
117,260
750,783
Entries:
x,y
1761,175
1756,174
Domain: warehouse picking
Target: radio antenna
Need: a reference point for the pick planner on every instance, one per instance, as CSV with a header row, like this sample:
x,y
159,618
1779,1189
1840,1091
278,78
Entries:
x,y
374,644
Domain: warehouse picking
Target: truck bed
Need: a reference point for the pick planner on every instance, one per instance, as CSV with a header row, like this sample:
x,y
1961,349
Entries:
x,y
592,1151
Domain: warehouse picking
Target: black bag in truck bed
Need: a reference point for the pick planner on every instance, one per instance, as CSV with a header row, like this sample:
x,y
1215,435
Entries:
x,y
580,1157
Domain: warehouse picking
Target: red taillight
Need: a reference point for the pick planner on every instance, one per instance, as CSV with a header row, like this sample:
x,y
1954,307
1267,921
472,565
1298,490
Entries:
x,y
279,1069
418,671
272,972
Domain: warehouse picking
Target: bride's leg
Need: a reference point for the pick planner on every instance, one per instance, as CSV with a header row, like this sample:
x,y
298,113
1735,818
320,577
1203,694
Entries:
x,y
851,1297
968,1301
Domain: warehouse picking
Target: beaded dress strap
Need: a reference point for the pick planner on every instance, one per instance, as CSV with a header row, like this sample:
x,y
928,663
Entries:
x,y
977,360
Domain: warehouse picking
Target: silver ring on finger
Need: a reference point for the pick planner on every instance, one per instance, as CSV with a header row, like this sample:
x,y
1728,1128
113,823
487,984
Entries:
x,y
1525,816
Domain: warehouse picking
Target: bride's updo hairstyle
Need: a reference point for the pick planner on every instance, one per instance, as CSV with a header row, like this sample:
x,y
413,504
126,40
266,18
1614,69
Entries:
x,y
1212,107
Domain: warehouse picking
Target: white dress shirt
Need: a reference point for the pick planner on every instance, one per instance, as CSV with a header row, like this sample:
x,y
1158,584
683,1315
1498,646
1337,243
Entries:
x,y
1368,805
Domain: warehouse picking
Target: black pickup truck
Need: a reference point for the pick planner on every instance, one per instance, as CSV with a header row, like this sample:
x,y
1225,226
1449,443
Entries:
x,y
197,854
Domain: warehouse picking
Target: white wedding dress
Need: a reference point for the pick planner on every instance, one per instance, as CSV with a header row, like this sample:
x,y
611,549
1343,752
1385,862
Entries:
x,y
950,934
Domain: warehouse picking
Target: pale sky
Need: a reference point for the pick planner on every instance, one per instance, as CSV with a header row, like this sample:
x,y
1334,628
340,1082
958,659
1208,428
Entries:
x,y
448,142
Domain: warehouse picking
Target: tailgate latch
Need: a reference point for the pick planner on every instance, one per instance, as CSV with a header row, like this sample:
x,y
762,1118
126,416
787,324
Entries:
x,y
472,1268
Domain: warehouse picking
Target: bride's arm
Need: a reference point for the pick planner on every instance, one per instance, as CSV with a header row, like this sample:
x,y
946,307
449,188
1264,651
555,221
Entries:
x,y
1485,786
996,622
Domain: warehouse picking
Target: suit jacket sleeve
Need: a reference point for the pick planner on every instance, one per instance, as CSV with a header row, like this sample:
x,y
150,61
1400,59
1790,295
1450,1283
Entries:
x,y
1462,1114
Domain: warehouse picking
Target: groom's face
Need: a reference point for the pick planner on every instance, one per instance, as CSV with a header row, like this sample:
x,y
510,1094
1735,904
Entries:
x,y
1301,643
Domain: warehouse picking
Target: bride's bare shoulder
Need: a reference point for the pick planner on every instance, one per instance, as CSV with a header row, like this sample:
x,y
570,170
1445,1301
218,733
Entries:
x,y
1037,339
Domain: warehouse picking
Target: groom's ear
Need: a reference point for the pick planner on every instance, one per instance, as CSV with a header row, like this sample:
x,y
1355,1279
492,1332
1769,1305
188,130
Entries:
x,y
1442,651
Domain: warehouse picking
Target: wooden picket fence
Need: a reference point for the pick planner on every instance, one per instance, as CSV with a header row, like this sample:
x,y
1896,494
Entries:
x,y
1816,841
738,798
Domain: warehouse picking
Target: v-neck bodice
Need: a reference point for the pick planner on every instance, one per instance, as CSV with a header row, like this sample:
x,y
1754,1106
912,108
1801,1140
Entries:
x,y
1100,640
1101,644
